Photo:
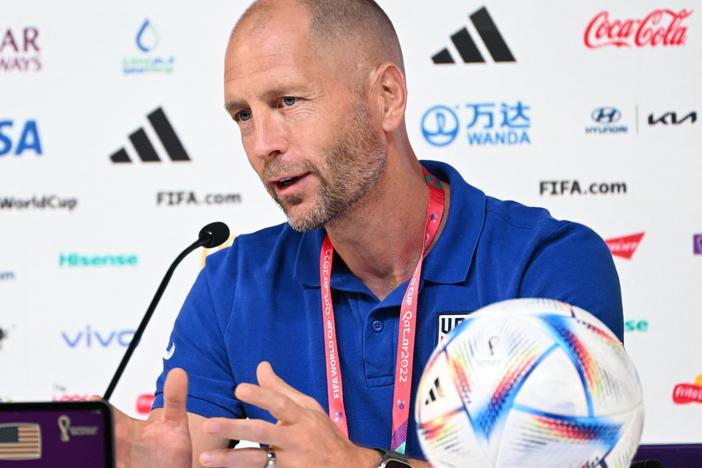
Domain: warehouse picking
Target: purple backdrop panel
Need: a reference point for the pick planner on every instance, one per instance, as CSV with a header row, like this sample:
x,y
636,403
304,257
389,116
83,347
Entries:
x,y
672,456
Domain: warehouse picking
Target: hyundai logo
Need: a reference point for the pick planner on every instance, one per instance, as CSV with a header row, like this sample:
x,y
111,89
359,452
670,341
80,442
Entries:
x,y
606,115
440,125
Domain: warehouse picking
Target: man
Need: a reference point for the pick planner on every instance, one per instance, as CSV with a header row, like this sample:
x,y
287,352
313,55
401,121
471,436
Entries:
x,y
317,89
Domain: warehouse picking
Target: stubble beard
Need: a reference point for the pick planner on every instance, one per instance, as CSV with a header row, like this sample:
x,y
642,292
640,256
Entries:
x,y
350,169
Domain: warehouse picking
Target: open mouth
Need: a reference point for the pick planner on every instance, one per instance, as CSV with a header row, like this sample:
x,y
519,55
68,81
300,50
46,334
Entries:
x,y
288,181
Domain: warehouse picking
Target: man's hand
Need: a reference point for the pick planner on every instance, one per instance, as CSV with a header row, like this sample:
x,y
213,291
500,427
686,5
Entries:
x,y
163,440
303,437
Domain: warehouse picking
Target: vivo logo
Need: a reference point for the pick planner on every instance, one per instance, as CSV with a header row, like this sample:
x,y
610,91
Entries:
x,y
89,338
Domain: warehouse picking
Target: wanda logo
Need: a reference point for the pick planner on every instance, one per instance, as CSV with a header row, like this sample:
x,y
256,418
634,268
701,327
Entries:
x,y
661,27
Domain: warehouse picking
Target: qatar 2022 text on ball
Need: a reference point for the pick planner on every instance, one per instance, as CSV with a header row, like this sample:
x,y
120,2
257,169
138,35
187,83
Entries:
x,y
530,383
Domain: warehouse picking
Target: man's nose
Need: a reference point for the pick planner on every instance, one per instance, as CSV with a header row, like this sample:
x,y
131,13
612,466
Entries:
x,y
270,137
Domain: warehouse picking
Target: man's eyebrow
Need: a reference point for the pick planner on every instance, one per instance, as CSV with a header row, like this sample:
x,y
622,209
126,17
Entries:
x,y
233,104
273,93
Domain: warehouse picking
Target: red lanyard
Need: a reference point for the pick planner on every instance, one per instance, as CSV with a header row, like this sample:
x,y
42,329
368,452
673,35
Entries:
x,y
406,333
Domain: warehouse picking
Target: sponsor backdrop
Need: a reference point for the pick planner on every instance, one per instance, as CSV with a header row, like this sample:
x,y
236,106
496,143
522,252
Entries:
x,y
115,149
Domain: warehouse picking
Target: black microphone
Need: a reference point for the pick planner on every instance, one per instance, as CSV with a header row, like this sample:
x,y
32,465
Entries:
x,y
212,235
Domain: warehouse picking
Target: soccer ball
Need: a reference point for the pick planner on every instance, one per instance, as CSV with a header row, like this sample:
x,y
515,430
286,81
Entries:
x,y
530,383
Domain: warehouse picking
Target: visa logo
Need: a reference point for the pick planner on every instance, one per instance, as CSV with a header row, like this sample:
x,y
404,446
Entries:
x,y
28,139
89,338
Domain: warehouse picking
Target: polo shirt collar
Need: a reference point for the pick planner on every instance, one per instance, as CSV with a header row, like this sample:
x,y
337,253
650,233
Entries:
x,y
449,260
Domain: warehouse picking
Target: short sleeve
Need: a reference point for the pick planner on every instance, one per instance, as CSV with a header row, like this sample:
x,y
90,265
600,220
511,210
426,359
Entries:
x,y
197,345
574,264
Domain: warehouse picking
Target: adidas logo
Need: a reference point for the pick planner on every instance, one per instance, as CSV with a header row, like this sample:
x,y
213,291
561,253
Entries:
x,y
468,50
145,149
435,392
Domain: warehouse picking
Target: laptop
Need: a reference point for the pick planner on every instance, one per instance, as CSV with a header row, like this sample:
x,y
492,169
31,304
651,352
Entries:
x,y
57,435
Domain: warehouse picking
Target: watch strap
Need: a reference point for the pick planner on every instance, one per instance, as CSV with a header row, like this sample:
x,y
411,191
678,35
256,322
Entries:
x,y
391,459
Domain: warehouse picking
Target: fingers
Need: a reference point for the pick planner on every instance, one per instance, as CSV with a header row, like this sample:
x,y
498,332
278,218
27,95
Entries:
x,y
256,430
236,457
276,396
175,393
280,406
267,378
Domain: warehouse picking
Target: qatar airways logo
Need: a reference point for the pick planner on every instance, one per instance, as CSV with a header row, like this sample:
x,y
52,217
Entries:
x,y
662,27
624,247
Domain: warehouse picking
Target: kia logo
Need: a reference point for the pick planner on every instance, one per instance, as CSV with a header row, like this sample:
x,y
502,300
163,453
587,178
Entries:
x,y
440,125
606,115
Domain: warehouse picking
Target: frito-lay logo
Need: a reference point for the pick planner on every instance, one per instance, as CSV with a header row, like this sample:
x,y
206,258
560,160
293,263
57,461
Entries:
x,y
685,393
624,247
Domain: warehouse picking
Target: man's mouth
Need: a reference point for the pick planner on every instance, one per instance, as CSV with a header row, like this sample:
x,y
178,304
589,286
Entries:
x,y
286,182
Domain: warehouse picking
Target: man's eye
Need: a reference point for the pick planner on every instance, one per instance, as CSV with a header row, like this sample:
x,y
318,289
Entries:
x,y
288,100
242,116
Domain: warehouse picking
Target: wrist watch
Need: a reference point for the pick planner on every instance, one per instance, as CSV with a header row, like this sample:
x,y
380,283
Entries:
x,y
392,459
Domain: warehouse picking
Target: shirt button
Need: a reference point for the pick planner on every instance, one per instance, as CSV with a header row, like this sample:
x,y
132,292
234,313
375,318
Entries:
x,y
377,325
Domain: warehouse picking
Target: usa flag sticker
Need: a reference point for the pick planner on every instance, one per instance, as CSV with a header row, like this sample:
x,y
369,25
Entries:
x,y
20,441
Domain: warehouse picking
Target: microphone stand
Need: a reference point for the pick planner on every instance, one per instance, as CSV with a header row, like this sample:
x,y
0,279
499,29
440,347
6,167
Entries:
x,y
149,312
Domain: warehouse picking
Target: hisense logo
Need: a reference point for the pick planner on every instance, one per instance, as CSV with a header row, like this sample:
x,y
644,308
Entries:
x,y
76,260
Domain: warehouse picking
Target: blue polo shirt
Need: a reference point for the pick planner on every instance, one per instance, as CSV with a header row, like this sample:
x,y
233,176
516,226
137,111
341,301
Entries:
x,y
260,300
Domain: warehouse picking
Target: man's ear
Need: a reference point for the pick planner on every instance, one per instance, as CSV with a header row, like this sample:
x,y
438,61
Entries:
x,y
391,95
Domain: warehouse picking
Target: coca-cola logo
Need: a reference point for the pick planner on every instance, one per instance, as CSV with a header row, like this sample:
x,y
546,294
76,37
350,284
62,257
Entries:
x,y
625,246
661,27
